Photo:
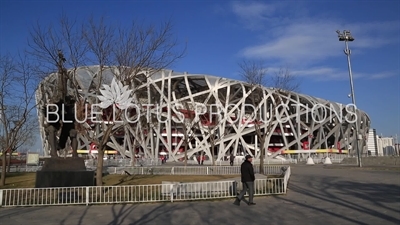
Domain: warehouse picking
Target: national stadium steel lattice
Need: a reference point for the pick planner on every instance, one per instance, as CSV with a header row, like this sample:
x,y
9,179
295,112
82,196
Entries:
x,y
225,115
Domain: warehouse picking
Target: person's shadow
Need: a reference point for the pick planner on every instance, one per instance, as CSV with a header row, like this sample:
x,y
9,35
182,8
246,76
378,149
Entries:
x,y
245,201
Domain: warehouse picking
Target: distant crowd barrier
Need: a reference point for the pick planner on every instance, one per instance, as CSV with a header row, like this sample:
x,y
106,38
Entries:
x,y
375,161
124,162
168,170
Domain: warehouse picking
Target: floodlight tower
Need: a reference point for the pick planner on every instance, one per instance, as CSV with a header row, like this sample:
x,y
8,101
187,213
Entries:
x,y
346,37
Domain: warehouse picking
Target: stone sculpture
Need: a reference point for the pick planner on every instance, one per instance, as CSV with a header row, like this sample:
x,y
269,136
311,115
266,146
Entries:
x,y
62,116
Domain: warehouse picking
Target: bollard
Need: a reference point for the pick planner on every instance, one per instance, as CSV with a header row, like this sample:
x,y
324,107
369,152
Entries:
x,y
327,161
310,161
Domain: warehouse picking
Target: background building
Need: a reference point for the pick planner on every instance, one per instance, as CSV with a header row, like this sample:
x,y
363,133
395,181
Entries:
x,y
381,146
386,146
168,103
372,144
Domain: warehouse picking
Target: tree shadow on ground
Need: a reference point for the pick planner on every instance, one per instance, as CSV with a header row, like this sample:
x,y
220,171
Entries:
x,y
366,198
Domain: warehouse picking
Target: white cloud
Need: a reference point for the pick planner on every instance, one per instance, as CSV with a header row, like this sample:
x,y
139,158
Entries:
x,y
256,10
330,73
311,42
383,75
324,73
307,40
253,14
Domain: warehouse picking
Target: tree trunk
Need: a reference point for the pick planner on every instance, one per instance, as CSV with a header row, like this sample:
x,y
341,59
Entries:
x,y
100,155
3,170
9,162
133,154
212,153
133,159
99,169
262,151
186,148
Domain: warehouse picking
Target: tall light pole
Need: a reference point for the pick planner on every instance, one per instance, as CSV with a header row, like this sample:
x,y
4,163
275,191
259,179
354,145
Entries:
x,y
346,37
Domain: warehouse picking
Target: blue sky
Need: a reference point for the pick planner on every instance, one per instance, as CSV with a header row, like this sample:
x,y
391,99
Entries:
x,y
299,35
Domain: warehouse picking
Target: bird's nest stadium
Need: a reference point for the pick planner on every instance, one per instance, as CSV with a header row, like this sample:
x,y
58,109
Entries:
x,y
227,114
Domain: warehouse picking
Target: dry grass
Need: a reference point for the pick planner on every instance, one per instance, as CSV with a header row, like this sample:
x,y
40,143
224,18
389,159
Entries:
x,y
115,179
20,180
27,180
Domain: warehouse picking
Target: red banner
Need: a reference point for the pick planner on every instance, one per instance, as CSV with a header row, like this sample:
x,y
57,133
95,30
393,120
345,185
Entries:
x,y
305,145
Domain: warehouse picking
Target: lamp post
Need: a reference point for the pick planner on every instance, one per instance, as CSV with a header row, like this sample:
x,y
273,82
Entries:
x,y
346,37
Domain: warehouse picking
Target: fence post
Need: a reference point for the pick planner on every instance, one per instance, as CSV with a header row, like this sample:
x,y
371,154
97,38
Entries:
x,y
287,177
172,170
171,192
142,170
87,196
1,197
284,183
115,170
207,170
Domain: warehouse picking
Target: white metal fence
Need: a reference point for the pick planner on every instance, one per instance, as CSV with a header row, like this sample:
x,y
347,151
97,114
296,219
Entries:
x,y
22,169
135,193
177,170
195,170
124,162
286,178
149,193
238,161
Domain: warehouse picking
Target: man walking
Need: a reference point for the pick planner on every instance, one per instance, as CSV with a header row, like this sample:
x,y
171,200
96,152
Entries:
x,y
203,157
247,175
231,159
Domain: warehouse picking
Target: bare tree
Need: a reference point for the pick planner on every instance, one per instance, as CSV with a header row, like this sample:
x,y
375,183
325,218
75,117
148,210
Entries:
x,y
284,81
99,38
141,48
55,48
256,74
137,51
17,103
214,137
215,130
212,130
189,121
141,51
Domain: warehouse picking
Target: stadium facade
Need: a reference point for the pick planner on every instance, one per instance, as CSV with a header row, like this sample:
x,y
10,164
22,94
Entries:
x,y
174,110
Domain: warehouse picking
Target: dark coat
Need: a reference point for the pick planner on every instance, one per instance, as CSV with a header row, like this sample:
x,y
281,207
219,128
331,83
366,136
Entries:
x,y
247,172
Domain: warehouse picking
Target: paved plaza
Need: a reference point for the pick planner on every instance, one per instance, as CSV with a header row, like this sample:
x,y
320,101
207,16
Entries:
x,y
316,195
